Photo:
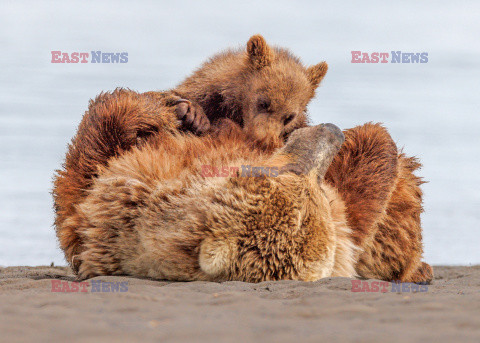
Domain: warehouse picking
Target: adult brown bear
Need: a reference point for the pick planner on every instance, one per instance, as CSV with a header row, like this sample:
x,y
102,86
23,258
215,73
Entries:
x,y
377,183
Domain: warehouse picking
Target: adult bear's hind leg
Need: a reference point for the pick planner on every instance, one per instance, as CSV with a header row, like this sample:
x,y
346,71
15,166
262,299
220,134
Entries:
x,y
395,251
384,203
364,173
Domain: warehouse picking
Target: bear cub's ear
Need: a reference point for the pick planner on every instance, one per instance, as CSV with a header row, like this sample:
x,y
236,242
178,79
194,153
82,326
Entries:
x,y
260,54
316,73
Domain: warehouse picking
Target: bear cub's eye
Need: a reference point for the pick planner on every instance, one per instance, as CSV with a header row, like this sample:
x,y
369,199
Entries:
x,y
263,105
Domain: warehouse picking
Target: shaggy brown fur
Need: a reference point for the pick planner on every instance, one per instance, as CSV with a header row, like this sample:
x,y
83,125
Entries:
x,y
381,193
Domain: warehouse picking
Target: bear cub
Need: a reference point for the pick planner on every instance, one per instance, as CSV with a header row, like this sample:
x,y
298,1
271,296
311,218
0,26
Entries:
x,y
263,89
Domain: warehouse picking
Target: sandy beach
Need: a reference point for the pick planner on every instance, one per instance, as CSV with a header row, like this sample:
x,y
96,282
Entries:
x,y
44,304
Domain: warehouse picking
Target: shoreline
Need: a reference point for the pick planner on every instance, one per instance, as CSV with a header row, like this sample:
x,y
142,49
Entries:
x,y
33,308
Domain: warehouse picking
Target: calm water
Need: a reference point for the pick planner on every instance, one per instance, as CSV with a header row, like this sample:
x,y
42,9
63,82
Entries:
x,y
431,109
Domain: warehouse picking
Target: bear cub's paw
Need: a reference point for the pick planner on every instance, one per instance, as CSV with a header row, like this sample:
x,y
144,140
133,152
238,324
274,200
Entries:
x,y
191,115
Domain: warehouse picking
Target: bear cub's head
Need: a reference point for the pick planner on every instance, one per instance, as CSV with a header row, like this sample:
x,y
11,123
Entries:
x,y
276,91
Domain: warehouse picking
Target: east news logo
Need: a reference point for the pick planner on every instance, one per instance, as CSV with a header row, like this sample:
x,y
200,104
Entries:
x,y
245,171
92,57
92,286
385,286
392,57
